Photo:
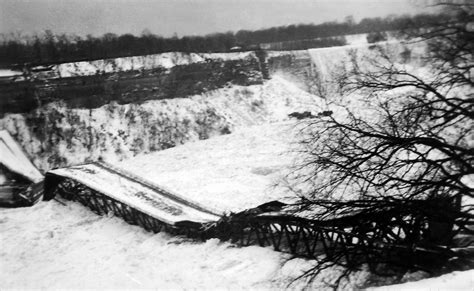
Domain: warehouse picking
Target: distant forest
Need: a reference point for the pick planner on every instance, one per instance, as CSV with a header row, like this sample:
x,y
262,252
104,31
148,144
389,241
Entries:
x,y
48,48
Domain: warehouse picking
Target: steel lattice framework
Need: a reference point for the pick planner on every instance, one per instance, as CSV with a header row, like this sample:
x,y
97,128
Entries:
x,y
398,235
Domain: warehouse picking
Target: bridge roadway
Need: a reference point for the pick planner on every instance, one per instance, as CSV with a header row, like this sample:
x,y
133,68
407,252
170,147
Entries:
x,y
397,233
130,191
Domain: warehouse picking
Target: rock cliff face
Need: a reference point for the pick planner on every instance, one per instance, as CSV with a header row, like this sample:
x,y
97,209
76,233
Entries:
x,y
127,80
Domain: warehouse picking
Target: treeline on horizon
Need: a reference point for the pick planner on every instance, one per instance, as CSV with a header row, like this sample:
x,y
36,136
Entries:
x,y
48,48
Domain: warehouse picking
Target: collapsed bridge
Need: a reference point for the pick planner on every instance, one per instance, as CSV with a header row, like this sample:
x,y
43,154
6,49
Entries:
x,y
394,233
106,189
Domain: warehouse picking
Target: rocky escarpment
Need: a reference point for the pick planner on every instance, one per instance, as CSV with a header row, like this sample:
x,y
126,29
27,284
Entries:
x,y
172,75
128,80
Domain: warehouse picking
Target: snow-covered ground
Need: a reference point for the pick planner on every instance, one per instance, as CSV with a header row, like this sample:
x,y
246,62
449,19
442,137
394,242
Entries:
x,y
57,246
52,245
67,246
453,281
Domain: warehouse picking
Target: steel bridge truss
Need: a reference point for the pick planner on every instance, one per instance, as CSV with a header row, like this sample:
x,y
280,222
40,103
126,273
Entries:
x,y
394,236
400,239
102,204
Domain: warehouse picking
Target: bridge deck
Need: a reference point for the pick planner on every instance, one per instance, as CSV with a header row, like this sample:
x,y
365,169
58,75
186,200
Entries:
x,y
141,195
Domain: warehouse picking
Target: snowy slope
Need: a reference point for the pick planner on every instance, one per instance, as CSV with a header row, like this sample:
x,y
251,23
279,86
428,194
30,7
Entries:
x,y
59,136
56,246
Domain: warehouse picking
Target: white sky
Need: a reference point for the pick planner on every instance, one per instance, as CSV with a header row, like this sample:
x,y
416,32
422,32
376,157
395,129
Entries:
x,y
185,17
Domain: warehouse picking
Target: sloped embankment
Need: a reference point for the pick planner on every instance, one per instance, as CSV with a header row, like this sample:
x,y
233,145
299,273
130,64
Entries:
x,y
57,135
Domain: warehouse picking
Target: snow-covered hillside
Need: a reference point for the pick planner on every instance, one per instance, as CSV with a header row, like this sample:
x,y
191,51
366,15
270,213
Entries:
x,y
55,135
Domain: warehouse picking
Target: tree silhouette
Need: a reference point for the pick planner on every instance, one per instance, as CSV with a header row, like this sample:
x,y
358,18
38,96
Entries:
x,y
49,48
402,145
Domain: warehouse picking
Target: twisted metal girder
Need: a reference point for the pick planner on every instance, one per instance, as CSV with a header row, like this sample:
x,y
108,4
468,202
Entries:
x,y
390,236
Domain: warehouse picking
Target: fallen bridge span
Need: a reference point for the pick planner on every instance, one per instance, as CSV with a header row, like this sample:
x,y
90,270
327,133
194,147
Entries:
x,y
396,233
107,189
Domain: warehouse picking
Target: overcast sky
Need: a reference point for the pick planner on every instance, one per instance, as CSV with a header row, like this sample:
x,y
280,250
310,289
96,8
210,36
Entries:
x,y
184,17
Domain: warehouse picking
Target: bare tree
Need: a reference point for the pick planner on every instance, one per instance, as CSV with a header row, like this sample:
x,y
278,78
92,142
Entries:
x,y
401,147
